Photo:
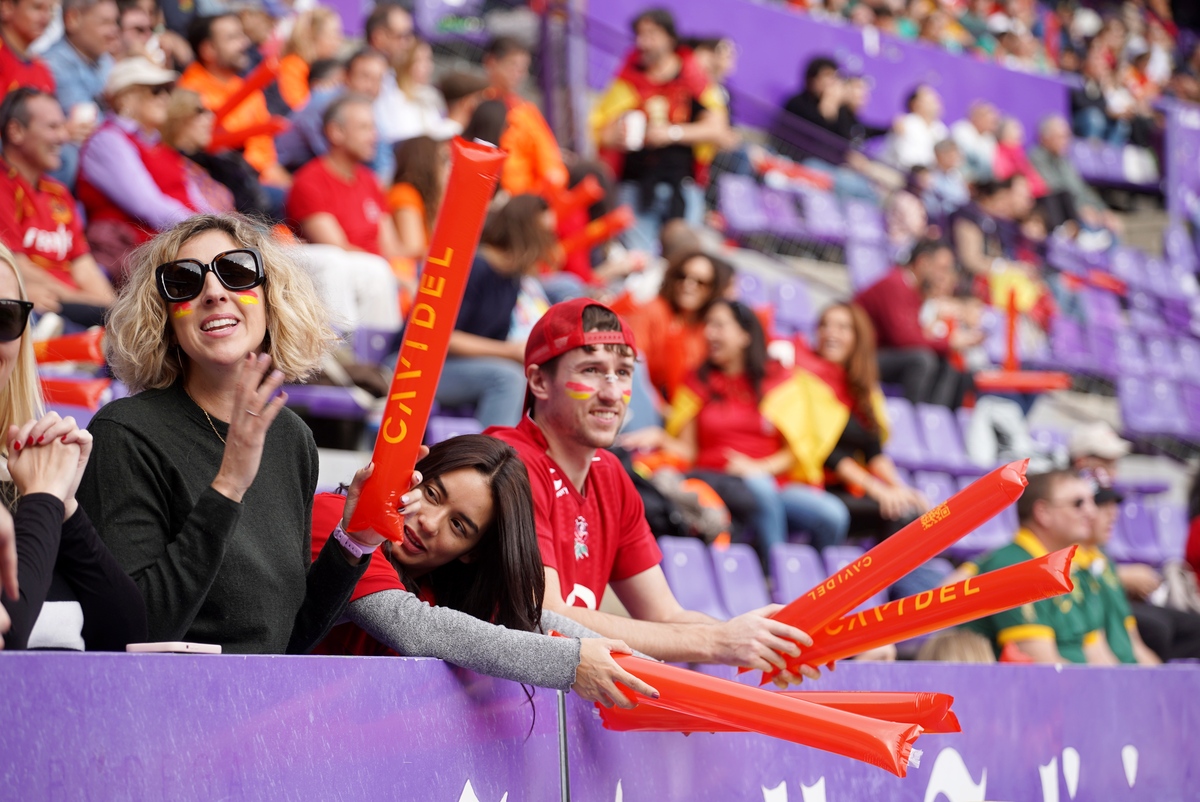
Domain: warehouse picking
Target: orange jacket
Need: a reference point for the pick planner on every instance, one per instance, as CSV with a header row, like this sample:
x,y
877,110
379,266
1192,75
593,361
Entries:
x,y
534,163
213,91
293,81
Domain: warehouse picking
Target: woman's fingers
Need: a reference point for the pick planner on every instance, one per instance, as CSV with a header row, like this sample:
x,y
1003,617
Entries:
x,y
634,684
44,429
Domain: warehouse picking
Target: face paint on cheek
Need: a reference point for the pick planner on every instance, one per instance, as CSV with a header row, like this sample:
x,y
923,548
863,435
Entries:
x,y
247,296
580,391
625,396
181,310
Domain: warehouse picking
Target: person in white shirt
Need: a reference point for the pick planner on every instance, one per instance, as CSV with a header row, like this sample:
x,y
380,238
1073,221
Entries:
x,y
915,133
976,140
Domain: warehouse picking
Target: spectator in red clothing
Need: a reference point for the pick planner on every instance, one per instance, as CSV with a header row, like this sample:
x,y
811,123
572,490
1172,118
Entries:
x,y
336,201
590,521
907,355
38,220
22,22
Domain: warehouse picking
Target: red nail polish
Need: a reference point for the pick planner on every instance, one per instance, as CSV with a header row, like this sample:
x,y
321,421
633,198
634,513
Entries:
x,y
43,437
63,438
29,442
17,445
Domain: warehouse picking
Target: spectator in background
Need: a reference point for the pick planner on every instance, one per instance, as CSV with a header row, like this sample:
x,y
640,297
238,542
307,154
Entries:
x,y
80,61
980,231
488,123
907,355
419,108
914,134
463,92
22,22
483,366
38,217
733,421
202,485
1098,109
535,162
947,191
1056,511
189,129
303,141
422,165
672,324
337,201
976,138
838,405
663,162
73,594
821,99
1011,158
316,35
259,19
1069,196
220,46
131,183
389,29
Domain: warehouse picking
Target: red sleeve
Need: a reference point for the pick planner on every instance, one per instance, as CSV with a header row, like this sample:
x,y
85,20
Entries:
x,y
543,501
1193,544
889,304
9,233
380,575
304,200
79,243
638,550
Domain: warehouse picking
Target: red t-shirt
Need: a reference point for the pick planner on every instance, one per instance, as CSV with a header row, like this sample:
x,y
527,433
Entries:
x,y
41,223
590,539
17,71
729,418
357,205
894,306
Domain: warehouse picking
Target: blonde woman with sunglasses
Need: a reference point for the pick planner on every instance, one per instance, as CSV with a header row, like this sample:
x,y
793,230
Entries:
x,y
64,590
203,482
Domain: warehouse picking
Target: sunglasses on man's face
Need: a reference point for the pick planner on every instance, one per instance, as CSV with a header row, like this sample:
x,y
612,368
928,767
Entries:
x,y
183,279
14,316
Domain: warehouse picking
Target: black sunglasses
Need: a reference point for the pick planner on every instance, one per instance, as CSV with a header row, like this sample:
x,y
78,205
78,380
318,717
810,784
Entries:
x,y
237,270
14,316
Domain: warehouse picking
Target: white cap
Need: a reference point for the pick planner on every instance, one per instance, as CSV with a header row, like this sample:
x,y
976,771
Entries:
x,y
137,71
1097,439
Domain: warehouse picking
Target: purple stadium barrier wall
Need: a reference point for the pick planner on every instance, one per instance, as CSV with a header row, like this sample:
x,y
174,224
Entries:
x,y
1181,170
196,727
776,43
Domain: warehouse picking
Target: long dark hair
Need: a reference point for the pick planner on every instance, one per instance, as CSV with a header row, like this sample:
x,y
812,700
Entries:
x,y
504,583
488,122
862,369
516,229
419,163
722,275
755,356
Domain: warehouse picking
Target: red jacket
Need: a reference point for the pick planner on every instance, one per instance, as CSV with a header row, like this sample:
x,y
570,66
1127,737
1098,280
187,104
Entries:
x,y
894,306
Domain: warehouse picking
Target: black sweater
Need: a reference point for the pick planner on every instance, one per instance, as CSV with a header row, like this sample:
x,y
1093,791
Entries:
x,y
213,570
65,562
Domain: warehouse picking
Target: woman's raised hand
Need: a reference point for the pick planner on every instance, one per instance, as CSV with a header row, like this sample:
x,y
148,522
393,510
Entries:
x,y
253,412
41,465
598,674
47,429
410,502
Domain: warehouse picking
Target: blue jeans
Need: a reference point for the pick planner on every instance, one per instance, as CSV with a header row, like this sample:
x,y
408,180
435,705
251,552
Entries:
x,y
644,234
796,506
1093,123
496,387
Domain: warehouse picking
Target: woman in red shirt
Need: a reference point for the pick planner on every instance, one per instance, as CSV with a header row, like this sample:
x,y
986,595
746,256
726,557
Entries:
x,y
725,420
470,548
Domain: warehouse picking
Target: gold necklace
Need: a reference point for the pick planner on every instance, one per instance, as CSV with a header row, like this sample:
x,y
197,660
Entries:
x,y
206,417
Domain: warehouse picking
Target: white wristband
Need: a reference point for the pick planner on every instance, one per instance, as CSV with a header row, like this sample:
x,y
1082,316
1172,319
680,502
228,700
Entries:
x,y
351,545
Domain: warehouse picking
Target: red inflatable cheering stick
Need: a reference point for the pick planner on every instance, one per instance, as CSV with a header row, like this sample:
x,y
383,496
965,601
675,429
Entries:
x,y
82,347
474,172
599,230
259,78
886,744
913,545
947,606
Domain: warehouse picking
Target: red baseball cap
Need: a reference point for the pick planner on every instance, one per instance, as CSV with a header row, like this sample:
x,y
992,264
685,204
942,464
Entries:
x,y
561,329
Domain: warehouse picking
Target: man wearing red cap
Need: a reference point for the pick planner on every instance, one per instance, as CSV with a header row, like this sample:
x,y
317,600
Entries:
x,y
591,524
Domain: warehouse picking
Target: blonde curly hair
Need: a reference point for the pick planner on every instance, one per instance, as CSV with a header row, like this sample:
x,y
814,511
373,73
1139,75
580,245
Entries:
x,y
21,396
139,344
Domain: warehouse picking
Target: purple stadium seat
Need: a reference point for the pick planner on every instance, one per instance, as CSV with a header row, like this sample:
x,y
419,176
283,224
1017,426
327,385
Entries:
x,y
739,578
866,222
1135,537
1145,315
822,215
938,425
904,443
372,346
838,557
794,313
324,401
1130,356
1068,345
741,205
689,573
82,415
1102,344
937,487
1190,396
1085,155
783,220
443,427
1162,357
1158,278
751,289
1151,406
1171,525
1101,308
1188,350
795,569
1179,248
868,262
1126,264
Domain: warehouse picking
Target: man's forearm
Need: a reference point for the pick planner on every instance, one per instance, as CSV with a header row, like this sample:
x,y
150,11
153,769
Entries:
x,y
689,640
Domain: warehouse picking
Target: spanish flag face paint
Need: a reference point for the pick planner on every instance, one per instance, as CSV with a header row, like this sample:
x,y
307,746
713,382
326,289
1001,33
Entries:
x,y
625,396
181,310
580,391
247,297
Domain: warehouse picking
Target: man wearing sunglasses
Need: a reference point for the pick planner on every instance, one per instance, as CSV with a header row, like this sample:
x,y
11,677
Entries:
x,y
1057,510
38,221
